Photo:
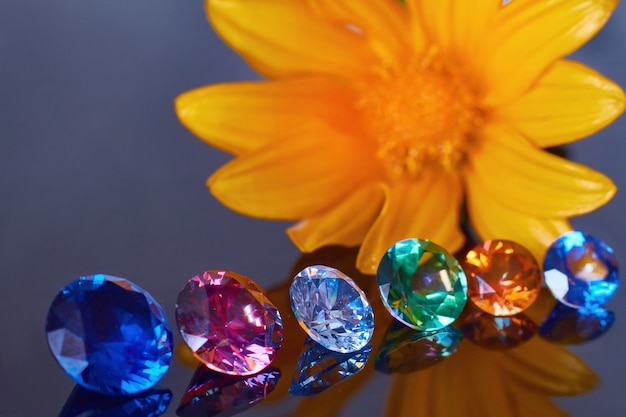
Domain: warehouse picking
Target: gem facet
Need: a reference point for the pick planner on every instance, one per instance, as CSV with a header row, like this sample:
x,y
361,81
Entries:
x,y
406,350
109,335
150,403
228,323
581,270
332,309
498,332
503,277
570,326
421,284
211,394
319,369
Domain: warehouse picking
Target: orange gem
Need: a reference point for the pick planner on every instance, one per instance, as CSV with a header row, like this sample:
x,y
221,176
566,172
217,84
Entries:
x,y
503,278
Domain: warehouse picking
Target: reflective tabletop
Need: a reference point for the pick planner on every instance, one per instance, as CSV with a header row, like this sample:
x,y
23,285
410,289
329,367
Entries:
x,y
97,175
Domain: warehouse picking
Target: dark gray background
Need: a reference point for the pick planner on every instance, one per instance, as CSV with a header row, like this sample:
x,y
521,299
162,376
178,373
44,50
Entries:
x,y
97,175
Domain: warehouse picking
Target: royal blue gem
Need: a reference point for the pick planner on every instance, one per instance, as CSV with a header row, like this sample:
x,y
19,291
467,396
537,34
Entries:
x,y
149,403
569,326
319,368
109,335
581,270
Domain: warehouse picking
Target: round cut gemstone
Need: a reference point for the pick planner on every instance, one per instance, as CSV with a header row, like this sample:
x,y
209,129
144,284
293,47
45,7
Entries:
x,y
109,335
332,309
498,332
228,323
421,284
581,270
503,277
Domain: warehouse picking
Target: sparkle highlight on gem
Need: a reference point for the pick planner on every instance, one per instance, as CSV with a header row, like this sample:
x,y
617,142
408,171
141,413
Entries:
x,y
109,335
228,322
421,284
332,309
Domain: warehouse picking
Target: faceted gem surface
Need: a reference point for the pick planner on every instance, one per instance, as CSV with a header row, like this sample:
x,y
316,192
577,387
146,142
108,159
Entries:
x,y
109,335
503,277
406,350
150,403
569,326
498,332
332,309
581,270
319,368
421,284
228,323
212,394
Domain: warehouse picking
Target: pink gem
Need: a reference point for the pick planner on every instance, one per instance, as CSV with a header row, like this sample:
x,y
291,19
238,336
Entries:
x,y
228,323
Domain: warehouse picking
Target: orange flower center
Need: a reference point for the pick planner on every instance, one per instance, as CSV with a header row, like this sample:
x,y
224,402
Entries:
x,y
421,115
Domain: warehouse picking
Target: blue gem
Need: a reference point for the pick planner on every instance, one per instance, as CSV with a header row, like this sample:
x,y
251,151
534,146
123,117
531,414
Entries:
x,y
211,393
319,369
149,403
332,309
493,332
567,325
406,350
581,270
109,335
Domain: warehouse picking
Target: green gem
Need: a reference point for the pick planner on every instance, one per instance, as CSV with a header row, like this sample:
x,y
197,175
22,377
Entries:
x,y
421,284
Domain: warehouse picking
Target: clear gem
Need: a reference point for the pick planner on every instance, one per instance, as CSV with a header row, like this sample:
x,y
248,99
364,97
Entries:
x,y
332,309
498,332
503,277
568,325
405,350
150,403
421,284
319,368
109,335
228,323
581,270
212,394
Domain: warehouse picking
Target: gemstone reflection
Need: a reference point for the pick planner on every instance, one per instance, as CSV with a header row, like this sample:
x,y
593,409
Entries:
x,y
567,325
492,332
406,350
211,394
319,369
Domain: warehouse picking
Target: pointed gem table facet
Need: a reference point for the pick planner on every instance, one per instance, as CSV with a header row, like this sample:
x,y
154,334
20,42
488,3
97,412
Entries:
x,y
581,270
84,403
229,323
568,326
319,368
493,332
332,309
213,394
109,335
406,350
421,284
503,277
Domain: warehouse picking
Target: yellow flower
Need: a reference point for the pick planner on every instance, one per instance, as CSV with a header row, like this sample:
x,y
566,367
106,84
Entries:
x,y
378,120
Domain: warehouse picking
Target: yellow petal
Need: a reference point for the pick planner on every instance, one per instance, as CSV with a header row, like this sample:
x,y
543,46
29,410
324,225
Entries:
x,y
550,368
344,224
569,102
456,25
383,23
528,36
527,180
426,209
491,220
242,117
297,177
286,37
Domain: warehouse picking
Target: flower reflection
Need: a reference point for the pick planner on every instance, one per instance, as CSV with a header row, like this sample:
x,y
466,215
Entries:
x,y
82,402
472,382
567,325
319,368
